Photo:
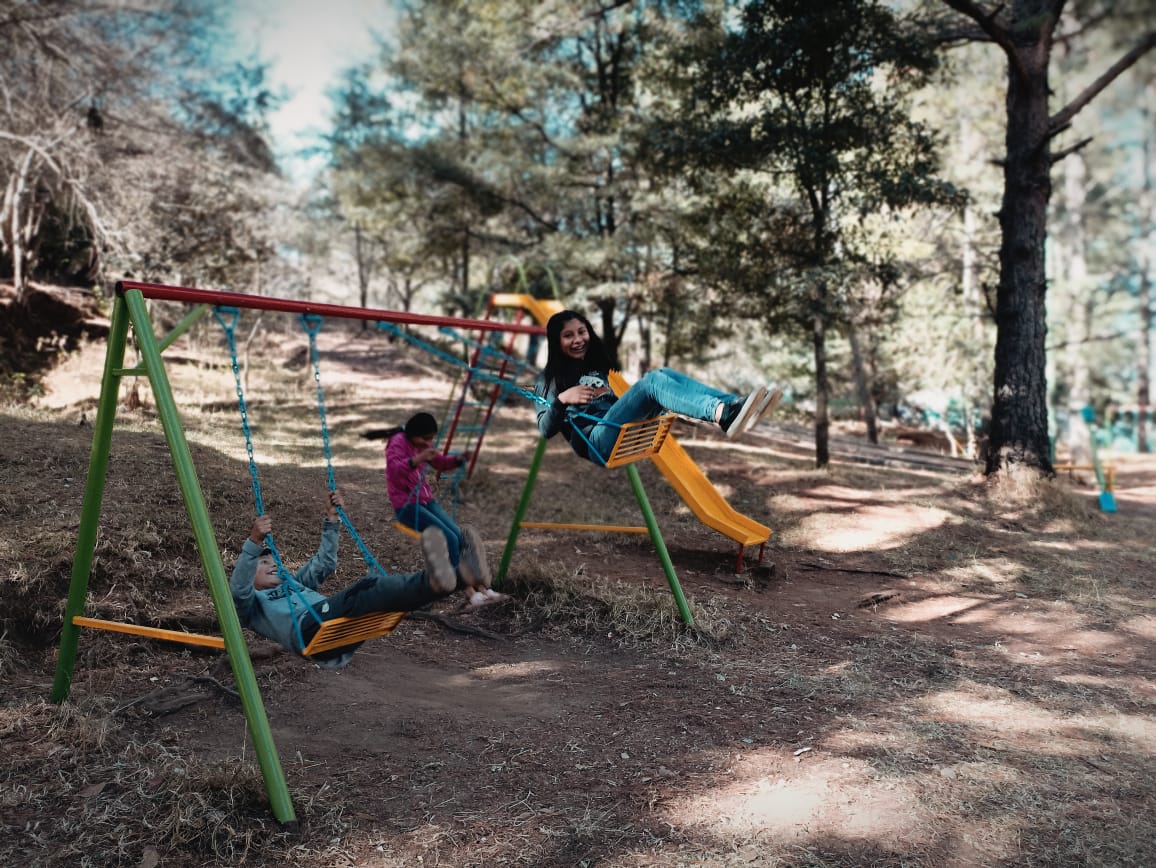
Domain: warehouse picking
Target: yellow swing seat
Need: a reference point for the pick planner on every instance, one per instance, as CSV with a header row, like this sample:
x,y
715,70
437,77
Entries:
x,y
349,631
640,439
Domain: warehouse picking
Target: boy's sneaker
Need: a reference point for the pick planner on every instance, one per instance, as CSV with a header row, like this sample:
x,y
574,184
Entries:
x,y
737,414
773,395
474,568
439,572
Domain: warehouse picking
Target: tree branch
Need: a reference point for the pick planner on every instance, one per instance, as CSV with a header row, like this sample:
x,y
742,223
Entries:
x,y
1067,152
1064,116
999,35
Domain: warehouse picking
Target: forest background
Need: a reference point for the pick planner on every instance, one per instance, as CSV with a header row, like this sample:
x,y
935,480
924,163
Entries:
x,y
936,211
854,203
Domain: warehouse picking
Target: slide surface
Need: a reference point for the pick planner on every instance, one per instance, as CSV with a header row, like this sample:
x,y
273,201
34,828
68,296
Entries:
x,y
697,491
680,470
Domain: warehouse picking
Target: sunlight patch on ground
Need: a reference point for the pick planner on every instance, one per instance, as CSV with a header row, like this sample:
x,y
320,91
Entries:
x,y
809,801
874,526
1143,626
959,609
1127,683
1002,722
525,669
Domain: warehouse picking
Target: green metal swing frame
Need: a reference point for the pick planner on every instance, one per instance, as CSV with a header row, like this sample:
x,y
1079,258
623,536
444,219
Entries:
x,y
130,309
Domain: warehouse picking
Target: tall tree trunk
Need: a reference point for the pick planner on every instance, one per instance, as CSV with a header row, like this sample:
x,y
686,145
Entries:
x,y
1147,263
1072,257
606,307
362,272
822,383
19,204
863,385
975,380
1019,425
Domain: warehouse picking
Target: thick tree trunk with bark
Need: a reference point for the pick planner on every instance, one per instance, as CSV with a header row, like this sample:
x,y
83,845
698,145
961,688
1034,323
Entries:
x,y
1024,30
822,389
1019,425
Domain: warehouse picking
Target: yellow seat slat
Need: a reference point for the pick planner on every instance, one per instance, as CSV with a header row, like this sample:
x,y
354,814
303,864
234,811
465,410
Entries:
x,y
639,439
348,631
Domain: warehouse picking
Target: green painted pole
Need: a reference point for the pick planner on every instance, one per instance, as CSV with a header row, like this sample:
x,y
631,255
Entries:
x,y
186,323
93,495
520,513
206,540
659,544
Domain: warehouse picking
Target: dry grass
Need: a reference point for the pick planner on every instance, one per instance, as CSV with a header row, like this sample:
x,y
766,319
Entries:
x,y
996,710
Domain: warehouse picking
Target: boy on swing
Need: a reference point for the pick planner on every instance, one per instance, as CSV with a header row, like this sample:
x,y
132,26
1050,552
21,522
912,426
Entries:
x,y
266,605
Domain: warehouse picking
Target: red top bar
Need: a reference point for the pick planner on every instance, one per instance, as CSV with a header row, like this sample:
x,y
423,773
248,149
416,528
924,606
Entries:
x,y
286,305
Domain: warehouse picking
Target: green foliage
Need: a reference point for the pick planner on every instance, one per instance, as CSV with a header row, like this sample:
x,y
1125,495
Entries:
x,y
800,116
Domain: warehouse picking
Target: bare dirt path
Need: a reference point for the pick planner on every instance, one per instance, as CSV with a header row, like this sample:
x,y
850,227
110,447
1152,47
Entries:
x,y
932,674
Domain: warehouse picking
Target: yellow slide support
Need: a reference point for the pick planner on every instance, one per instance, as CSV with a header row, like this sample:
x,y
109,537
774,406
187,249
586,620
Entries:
x,y
680,470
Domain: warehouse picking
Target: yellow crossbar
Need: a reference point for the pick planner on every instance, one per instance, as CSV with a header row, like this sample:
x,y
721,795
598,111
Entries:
x,y
1109,472
348,631
150,632
639,439
610,528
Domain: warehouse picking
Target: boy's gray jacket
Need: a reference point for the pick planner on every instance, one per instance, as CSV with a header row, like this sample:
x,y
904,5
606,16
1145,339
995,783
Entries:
x,y
272,613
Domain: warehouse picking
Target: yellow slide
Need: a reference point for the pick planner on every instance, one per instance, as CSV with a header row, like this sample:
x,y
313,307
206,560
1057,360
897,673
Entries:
x,y
697,491
672,460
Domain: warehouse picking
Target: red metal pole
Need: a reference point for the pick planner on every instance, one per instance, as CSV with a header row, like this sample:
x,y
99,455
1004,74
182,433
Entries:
x,y
286,305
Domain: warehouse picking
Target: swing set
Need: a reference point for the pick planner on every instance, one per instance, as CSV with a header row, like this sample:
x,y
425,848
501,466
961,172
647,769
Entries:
x,y
336,633
130,309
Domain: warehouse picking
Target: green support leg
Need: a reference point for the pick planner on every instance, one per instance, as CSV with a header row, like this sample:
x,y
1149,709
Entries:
x,y
206,540
659,544
93,495
520,513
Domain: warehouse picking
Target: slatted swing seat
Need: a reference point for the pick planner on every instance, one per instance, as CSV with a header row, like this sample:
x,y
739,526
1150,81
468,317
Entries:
x,y
640,439
341,632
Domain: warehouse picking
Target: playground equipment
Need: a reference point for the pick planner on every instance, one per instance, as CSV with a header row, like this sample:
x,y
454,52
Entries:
x,y
1105,473
336,633
636,440
672,461
130,309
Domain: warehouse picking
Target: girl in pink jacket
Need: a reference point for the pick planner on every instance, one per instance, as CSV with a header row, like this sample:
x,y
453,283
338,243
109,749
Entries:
x,y
409,450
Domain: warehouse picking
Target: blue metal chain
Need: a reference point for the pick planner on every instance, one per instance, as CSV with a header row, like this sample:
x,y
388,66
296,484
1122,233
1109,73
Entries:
x,y
311,323
227,318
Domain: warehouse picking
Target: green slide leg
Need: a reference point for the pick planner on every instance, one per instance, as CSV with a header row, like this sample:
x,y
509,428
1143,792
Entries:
x,y
659,544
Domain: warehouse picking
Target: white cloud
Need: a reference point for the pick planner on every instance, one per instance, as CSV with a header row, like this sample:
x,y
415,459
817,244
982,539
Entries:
x,y
307,44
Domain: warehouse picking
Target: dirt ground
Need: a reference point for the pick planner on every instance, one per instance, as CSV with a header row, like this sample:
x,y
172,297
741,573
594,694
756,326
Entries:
x,y
925,671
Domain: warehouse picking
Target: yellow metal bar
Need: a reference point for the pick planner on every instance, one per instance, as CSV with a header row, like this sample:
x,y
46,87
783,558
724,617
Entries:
x,y
1109,472
150,632
609,528
408,531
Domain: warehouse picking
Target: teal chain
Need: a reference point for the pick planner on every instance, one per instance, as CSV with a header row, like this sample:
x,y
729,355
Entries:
x,y
229,326
311,323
